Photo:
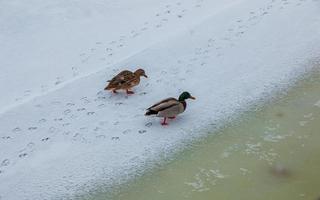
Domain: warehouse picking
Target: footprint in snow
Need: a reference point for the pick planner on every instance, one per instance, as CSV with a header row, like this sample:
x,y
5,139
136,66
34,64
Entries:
x,y
44,88
84,99
149,124
165,72
73,116
101,105
100,93
65,124
42,120
27,92
126,131
76,135
6,137
66,112
90,113
70,104
142,131
30,146
58,80
66,133
115,138
45,139
96,129
5,162
57,119
16,130
101,136
80,109
32,128
22,155
85,129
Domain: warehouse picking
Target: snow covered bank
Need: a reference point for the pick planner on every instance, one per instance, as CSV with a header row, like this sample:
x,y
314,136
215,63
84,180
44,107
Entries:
x,y
76,136
66,40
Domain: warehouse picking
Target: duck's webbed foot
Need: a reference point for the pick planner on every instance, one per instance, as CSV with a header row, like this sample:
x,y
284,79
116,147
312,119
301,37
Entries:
x,y
129,92
172,117
164,123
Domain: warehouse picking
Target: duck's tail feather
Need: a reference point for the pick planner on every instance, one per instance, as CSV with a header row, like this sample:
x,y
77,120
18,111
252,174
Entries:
x,y
108,87
151,112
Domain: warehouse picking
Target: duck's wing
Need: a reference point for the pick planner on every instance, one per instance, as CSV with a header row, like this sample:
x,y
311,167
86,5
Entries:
x,y
161,105
120,79
171,110
122,76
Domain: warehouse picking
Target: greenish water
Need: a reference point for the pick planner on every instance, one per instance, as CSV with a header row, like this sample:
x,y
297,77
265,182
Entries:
x,y
273,153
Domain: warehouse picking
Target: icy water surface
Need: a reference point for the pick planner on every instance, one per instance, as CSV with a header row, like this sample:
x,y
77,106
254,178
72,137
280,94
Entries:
x,y
271,154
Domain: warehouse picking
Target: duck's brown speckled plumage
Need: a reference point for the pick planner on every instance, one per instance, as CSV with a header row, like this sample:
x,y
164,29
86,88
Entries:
x,y
125,80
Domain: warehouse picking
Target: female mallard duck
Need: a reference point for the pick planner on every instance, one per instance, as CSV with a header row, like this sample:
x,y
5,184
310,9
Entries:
x,y
170,107
125,80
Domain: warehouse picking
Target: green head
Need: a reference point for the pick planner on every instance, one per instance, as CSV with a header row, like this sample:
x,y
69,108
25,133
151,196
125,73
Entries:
x,y
185,95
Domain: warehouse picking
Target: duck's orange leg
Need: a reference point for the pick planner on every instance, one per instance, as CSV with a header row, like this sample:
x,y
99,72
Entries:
x,y
164,123
129,92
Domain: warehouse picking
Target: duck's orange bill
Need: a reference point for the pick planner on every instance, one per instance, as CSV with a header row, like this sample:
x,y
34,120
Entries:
x,y
192,98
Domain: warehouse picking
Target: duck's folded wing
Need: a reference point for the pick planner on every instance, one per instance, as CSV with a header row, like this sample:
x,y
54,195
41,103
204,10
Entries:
x,y
122,78
164,104
171,111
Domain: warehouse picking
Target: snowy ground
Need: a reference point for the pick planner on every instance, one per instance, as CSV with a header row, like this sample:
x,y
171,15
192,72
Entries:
x,y
61,133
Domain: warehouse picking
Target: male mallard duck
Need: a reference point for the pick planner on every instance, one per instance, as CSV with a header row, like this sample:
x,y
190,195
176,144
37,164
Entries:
x,y
125,80
170,107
